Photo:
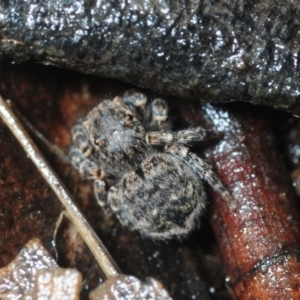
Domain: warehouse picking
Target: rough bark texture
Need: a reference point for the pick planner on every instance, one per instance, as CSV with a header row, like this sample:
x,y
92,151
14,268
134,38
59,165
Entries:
x,y
205,50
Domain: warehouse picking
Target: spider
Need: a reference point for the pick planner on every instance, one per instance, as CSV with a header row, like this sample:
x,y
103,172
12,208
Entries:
x,y
142,171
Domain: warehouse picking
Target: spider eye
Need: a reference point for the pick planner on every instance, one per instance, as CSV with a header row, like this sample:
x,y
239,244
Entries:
x,y
99,142
128,119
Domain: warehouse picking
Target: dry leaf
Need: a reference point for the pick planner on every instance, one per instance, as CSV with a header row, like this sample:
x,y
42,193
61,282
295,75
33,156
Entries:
x,y
34,274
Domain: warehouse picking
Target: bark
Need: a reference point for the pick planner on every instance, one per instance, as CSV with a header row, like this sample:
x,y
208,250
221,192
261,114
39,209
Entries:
x,y
211,51
259,232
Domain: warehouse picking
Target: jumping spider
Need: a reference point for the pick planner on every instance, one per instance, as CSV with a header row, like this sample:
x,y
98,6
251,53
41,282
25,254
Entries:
x,y
142,171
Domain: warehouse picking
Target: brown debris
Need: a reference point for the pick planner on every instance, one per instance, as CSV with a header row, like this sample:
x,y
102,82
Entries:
x,y
129,287
34,274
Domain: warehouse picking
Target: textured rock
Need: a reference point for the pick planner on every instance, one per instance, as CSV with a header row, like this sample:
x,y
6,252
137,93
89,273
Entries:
x,y
205,50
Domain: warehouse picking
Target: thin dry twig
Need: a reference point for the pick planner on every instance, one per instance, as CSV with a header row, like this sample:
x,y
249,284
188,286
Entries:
x,y
55,149
102,256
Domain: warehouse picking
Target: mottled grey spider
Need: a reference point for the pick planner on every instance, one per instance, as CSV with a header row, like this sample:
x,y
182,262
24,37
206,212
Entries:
x,y
142,171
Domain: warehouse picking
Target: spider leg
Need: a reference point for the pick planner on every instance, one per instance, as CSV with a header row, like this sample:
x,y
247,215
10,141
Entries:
x,y
160,120
100,191
134,98
137,103
184,137
87,167
201,168
81,153
84,160
156,112
81,140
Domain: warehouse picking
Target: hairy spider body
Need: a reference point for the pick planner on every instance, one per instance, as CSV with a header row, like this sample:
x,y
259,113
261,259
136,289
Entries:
x,y
118,137
142,171
161,198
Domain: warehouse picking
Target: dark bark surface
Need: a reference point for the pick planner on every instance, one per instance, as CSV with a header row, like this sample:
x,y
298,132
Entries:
x,y
211,51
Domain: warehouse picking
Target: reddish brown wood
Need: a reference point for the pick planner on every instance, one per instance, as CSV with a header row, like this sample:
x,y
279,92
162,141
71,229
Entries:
x,y
259,232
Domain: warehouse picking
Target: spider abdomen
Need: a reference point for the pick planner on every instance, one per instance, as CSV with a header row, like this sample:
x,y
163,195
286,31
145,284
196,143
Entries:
x,y
161,198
